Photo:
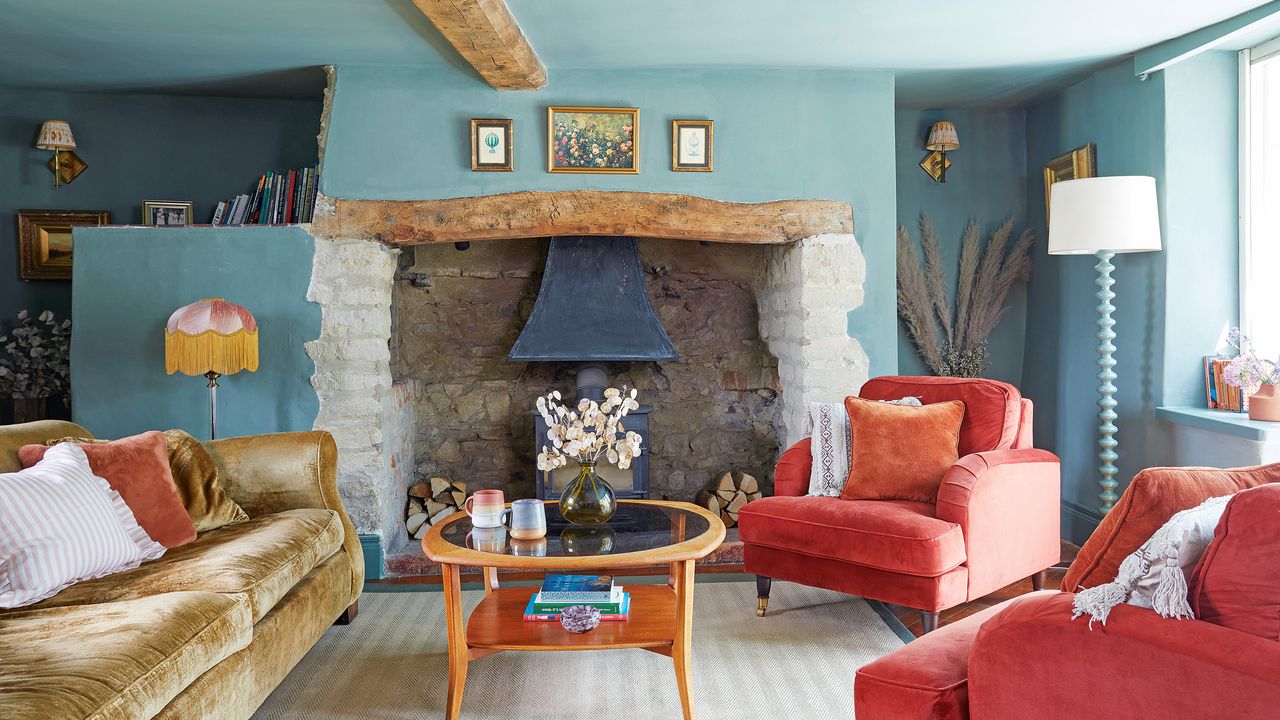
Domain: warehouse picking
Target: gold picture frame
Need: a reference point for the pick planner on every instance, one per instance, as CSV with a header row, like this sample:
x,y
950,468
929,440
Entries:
x,y
45,248
492,145
1079,163
593,140
163,213
693,145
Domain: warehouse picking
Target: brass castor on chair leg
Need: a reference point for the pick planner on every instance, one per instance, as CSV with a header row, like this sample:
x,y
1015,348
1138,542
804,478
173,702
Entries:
x,y
763,585
762,607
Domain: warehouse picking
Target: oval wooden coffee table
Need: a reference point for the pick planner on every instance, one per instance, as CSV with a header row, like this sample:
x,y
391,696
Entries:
x,y
642,533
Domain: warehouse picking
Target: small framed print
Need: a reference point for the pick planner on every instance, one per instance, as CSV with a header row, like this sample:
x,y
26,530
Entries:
x,y
692,145
163,213
492,145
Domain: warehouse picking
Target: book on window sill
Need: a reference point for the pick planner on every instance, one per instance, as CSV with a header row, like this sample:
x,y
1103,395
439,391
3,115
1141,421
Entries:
x,y
612,605
532,615
576,588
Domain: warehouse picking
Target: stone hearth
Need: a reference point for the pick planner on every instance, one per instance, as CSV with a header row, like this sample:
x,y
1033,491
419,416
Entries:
x,y
411,366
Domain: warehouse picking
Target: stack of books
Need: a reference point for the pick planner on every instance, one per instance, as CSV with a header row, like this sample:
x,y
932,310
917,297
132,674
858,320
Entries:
x,y
1220,395
560,591
279,199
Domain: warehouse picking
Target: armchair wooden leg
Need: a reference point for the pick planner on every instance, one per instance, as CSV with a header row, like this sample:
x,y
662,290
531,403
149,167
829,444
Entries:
x,y
348,615
1037,580
763,585
928,621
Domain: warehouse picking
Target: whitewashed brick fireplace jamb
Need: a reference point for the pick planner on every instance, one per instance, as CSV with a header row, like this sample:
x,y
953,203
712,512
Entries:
x,y
804,297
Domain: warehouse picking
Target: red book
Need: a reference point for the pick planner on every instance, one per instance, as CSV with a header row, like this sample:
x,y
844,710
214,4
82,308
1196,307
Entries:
x,y
288,196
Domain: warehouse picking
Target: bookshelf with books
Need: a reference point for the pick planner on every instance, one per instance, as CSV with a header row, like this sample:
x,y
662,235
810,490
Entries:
x,y
278,198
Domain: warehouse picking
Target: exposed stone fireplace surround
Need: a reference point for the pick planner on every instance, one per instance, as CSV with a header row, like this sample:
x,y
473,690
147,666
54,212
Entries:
x,y
804,269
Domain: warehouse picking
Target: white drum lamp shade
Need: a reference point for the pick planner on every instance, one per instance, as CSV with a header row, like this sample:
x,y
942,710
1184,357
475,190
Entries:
x,y
1116,214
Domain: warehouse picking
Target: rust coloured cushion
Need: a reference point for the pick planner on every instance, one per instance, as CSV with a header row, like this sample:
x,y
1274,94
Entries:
x,y
1150,500
899,452
137,467
1236,585
992,409
196,477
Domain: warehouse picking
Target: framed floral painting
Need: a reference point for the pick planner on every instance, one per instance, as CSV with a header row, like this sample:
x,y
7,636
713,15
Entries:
x,y
593,140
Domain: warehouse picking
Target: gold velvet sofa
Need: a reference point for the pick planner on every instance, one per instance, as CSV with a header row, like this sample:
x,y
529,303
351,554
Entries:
x,y
208,630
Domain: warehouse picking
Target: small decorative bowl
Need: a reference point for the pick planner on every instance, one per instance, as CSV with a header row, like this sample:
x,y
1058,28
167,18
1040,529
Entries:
x,y
580,618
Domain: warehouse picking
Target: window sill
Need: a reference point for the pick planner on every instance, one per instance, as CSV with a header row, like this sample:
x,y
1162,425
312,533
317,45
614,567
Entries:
x,y
1220,421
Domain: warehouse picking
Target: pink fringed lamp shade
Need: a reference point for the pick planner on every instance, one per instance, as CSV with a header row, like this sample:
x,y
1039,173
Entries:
x,y
211,335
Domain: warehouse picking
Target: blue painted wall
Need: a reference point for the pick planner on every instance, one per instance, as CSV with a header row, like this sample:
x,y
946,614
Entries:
x,y
128,282
402,133
137,147
987,181
1125,118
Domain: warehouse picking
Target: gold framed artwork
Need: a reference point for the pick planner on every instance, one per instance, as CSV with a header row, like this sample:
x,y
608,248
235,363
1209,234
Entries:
x,y
45,247
67,165
692,145
163,213
934,162
1073,165
492,145
593,140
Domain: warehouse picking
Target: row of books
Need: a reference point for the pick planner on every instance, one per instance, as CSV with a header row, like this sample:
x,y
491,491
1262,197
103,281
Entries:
x,y
561,591
1218,393
280,198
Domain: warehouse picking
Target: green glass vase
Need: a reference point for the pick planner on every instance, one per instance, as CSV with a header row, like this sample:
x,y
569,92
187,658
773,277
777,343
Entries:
x,y
588,499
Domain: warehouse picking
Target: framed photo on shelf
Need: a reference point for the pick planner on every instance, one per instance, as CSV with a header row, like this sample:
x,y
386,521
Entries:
x,y
593,140
692,145
45,249
492,145
1073,165
163,213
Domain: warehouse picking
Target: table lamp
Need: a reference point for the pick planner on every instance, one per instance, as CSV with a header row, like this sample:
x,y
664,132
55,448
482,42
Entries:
x,y
56,135
211,337
1103,216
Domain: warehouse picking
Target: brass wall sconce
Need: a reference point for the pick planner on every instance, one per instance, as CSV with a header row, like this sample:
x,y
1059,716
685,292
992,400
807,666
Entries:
x,y
56,135
942,139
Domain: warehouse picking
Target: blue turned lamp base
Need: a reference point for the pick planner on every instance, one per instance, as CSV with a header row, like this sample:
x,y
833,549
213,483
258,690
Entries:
x,y
1106,383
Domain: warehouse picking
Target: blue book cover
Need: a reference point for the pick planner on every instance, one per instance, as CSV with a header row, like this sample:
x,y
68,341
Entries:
x,y
576,588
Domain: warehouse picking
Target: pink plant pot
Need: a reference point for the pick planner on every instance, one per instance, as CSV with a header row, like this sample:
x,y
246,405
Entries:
x,y
1265,404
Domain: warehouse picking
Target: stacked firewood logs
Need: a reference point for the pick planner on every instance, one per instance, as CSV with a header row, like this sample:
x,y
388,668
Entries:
x,y
726,496
432,501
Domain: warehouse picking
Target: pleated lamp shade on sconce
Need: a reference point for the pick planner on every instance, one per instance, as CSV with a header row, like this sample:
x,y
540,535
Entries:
x,y
943,137
56,135
211,337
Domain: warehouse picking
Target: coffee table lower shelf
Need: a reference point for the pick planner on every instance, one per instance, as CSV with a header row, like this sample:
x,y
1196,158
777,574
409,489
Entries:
x,y
498,624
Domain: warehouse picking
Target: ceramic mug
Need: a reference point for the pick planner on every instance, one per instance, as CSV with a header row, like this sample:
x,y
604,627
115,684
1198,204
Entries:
x,y
488,539
528,519
486,508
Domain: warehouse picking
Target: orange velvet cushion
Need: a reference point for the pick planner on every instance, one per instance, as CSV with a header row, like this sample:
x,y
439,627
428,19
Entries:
x,y
899,452
138,468
1236,585
1150,500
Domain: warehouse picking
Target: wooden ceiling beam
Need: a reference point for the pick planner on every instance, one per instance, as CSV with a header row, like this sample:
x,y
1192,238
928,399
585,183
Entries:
x,y
486,35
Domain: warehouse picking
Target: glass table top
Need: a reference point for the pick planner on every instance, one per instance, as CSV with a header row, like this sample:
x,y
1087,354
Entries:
x,y
637,526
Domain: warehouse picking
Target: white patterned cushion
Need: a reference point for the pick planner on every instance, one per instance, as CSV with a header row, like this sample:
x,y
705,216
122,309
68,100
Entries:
x,y
830,445
60,524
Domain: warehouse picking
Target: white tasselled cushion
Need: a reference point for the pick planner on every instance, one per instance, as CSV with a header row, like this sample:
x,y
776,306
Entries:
x,y
830,434
1155,575
60,524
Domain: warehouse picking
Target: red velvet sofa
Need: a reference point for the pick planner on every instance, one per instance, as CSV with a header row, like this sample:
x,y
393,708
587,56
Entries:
x,y
995,520
1026,658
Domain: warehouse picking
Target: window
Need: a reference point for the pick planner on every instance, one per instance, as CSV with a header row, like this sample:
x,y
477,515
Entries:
x,y
1260,197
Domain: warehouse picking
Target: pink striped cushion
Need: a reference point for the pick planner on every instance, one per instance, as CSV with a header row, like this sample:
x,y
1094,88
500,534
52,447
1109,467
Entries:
x,y
60,524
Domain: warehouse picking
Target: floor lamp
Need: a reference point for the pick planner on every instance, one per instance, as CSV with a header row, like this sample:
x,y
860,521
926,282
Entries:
x,y
211,337
1104,216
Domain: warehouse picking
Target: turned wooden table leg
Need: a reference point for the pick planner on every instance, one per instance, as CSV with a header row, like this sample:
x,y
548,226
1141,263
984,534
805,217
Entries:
x,y
682,646
457,628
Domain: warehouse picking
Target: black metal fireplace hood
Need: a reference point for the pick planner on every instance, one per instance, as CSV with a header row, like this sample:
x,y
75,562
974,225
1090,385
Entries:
x,y
593,306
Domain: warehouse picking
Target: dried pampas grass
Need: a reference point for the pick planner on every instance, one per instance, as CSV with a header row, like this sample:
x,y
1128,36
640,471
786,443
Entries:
x,y
986,275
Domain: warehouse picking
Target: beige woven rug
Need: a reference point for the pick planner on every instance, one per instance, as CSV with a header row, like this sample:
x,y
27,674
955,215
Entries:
x,y
796,663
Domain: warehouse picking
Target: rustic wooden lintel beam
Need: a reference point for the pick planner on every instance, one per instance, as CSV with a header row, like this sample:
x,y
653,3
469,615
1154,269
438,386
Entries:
x,y
487,36
582,212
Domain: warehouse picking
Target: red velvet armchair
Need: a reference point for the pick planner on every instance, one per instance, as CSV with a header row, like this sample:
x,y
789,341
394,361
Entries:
x,y
995,520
